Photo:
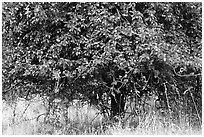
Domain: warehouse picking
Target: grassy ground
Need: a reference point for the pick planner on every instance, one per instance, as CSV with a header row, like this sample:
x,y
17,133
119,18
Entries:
x,y
29,117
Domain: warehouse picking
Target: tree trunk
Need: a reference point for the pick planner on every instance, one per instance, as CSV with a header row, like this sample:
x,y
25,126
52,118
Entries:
x,y
117,104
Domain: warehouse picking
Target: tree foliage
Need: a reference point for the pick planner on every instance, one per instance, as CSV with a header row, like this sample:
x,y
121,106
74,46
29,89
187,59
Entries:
x,y
94,51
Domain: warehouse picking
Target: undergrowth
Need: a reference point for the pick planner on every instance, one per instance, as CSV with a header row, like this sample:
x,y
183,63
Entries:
x,y
32,118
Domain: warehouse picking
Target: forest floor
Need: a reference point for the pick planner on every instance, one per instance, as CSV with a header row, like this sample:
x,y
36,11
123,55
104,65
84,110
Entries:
x,y
28,118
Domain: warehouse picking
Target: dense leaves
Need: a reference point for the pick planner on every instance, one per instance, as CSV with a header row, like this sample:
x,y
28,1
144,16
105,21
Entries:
x,y
91,50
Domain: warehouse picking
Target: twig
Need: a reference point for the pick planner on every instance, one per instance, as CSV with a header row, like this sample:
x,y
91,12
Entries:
x,y
196,108
25,109
167,97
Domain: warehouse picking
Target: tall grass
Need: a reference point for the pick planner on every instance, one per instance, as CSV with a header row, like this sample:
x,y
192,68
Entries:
x,y
31,118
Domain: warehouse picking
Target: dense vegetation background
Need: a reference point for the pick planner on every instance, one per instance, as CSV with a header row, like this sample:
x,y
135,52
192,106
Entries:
x,y
108,54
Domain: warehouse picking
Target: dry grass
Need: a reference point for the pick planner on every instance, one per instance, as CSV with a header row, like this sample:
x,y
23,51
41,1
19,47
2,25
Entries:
x,y
28,117
22,118
154,125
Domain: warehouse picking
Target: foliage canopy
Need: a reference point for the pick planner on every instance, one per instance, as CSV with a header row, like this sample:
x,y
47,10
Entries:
x,y
89,50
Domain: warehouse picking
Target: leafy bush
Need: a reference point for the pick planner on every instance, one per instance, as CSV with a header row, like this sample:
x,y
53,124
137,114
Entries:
x,y
105,53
